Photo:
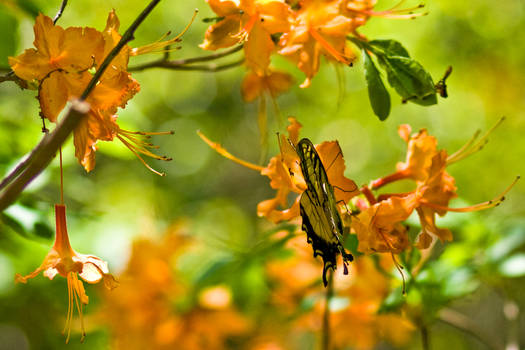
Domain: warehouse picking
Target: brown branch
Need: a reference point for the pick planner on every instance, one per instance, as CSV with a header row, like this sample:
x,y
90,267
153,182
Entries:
x,y
182,63
212,67
45,152
60,11
47,148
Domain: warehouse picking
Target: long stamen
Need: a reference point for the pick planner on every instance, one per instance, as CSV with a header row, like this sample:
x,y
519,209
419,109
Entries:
x,y
393,12
396,264
136,152
329,48
159,44
473,145
481,206
69,307
80,304
219,149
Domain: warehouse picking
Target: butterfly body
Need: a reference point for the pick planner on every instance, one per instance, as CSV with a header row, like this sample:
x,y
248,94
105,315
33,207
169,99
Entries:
x,y
318,207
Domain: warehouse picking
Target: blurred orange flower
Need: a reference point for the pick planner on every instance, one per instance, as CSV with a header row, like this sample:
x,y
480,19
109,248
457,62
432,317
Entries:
x,y
156,315
354,318
63,260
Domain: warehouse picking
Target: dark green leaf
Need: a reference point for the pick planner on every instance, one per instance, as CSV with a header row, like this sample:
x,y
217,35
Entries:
x,y
377,93
390,47
409,79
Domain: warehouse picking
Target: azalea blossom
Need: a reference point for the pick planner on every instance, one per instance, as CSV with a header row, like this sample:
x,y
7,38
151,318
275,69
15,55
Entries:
x,y
61,63
252,22
379,227
284,172
64,261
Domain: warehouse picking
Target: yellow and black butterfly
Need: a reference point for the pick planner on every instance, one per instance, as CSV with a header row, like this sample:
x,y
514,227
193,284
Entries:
x,y
321,220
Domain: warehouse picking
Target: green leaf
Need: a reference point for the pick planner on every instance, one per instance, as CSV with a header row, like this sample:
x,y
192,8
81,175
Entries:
x,y
29,7
377,93
8,24
459,283
390,47
514,266
504,246
409,79
392,302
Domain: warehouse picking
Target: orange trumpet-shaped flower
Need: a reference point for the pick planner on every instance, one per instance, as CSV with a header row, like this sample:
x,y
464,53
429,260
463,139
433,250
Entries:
x,y
318,27
285,174
63,260
435,187
250,21
61,62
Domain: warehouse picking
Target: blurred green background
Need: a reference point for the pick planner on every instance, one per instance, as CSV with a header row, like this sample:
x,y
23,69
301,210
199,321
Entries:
x,y
121,199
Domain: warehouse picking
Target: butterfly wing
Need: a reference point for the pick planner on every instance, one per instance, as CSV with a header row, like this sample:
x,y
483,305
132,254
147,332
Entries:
x,y
321,220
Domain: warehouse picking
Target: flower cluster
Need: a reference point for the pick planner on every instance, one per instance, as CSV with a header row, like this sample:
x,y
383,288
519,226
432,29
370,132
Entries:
x,y
300,30
61,66
376,220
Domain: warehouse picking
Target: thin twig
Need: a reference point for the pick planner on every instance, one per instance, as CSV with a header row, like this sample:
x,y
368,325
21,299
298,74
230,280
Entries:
x,y
212,67
44,152
174,64
326,315
60,11
465,324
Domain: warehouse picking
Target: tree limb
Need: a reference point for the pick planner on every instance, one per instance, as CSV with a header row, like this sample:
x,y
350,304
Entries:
x,y
45,152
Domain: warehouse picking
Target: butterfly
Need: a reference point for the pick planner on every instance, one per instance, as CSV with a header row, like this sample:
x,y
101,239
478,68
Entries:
x,y
318,207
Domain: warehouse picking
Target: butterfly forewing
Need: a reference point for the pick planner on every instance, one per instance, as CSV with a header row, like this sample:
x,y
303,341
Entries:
x,y
321,220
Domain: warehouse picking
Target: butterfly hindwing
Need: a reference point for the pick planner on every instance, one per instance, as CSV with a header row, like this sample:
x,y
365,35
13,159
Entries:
x,y
321,220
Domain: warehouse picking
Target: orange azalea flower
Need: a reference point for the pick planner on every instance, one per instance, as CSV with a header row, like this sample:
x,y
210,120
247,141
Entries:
x,y
285,174
379,227
63,260
62,56
249,21
61,63
318,27
426,165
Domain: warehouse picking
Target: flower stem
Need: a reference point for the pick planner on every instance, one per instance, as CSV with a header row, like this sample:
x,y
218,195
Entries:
x,y
326,315
425,338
